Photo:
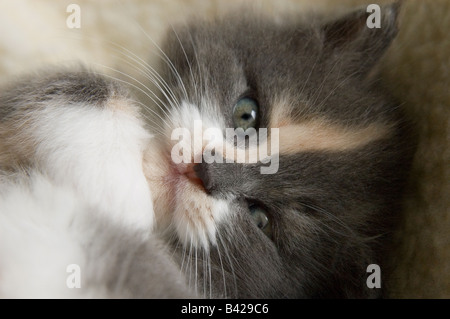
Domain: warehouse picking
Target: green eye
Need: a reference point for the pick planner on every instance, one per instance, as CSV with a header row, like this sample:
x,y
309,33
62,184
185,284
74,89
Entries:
x,y
245,113
261,219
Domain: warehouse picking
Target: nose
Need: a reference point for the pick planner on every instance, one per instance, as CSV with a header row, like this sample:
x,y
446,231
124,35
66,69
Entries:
x,y
223,178
201,171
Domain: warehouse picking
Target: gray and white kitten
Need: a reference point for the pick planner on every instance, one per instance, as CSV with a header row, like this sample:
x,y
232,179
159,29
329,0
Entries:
x,y
84,182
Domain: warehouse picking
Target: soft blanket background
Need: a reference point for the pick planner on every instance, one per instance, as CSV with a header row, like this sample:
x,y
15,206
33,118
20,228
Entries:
x,y
416,68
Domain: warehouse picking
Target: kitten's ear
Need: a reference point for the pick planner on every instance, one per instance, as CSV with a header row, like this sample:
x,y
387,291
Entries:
x,y
356,36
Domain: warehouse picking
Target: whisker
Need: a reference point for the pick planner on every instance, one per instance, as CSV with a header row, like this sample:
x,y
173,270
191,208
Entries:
x,y
342,82
155,78
166,59
335,219
233,273
135,86
185,248
151,71
210,276
308,77
187,60
197,62
157,85
205,283
158,129
190,262
161,129
223,272
325,78
196,271
158,126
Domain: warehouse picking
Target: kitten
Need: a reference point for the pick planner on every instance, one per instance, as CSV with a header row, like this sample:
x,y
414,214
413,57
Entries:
x,y
312,228
84,182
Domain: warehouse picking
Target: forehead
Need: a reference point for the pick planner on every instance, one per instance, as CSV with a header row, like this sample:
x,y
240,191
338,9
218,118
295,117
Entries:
x,y
316,106
330,125
285,69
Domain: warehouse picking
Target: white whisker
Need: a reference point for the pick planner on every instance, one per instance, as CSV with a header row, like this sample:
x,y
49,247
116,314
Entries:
x,y
223,273
166,59
151,72
322,84
135,86
152,80
233,273
187,61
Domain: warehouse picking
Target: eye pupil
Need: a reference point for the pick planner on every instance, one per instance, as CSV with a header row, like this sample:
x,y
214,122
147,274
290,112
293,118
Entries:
x,y
262,222
261,219
245,113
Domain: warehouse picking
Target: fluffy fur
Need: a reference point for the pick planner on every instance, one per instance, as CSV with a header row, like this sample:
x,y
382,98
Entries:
x,y
327,208
73,192
45,227
418,56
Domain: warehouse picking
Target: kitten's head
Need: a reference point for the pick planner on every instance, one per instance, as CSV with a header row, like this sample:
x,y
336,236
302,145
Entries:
x,y
306,220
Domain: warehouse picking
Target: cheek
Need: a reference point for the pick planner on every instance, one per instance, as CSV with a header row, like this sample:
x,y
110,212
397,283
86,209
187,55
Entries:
x,y
183,209
299,235
197,216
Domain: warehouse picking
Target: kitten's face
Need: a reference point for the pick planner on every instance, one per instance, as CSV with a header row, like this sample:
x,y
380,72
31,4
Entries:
x,y
308,229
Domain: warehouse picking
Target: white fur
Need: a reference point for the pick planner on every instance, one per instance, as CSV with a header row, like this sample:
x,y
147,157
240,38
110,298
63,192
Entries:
x,y
196,215
38,242
98,152
88,178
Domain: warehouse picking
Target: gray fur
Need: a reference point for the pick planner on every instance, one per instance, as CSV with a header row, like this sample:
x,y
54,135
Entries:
x,y
331,212
82,86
